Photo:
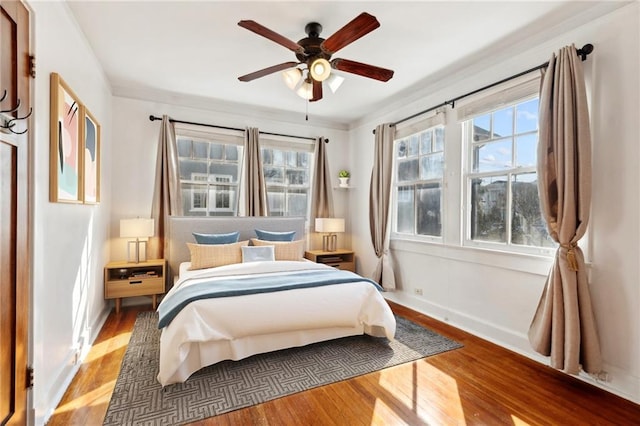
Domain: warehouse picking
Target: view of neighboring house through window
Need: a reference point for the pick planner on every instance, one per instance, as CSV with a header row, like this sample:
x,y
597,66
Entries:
x,y
210,170
419,166
501,177
287,170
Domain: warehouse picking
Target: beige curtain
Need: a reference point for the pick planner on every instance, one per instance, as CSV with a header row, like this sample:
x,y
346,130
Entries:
x,y
379,202
256,200
564,326
322,196
167,198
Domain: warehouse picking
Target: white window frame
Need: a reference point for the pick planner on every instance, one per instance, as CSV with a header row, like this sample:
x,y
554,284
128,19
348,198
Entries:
x,y
481,105
428,122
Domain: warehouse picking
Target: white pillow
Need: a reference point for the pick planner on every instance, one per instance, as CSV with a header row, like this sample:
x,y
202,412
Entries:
x,y
258,254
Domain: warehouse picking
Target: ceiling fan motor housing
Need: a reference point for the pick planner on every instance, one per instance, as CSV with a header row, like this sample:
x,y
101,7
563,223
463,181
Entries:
x,y
311,44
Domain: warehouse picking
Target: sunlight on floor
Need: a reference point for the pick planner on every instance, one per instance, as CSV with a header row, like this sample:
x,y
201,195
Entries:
x,y
100,395
518,422
100,349
421,387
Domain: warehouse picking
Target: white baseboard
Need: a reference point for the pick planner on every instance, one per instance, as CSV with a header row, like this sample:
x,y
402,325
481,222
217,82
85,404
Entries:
x,y
618,382
69,371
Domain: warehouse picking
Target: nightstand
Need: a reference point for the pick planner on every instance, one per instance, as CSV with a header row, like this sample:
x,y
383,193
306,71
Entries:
x,y
341,258
127,279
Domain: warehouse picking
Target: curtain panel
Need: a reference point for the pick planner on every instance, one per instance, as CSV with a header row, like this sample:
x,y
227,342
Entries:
x,y
167,196
564,327
322,197
380,203
256,188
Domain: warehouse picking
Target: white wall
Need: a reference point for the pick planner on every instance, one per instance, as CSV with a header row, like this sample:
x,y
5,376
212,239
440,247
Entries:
x,y
135,141
69,241
494,295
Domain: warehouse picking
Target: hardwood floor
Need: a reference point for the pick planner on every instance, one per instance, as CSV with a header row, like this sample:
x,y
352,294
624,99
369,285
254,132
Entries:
x,y
480,384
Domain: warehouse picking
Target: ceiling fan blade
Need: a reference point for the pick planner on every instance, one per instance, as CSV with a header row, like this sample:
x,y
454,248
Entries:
x,y
360,26
317,91
271,35
267,71
364,70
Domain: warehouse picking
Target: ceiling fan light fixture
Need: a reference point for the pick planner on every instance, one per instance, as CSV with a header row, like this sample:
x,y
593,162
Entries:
x,y
305,91
292,77
320,69
334,81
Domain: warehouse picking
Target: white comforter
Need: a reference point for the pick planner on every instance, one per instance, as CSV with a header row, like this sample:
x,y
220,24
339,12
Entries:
x,y
212,330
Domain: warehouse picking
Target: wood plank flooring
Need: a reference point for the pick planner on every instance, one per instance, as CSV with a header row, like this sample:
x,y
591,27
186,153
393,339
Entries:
x,y
480,384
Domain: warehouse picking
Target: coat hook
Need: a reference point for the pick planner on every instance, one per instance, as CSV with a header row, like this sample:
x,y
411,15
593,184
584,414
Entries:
x,y
12,122
14,109
4,95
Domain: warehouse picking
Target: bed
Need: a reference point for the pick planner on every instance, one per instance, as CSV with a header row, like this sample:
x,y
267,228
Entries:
x,y
304,302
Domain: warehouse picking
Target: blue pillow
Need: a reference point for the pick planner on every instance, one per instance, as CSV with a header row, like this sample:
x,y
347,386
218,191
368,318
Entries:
x,y
275,236
230,238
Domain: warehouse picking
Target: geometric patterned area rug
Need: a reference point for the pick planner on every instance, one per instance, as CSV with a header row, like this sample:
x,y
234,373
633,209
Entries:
x,y
138,397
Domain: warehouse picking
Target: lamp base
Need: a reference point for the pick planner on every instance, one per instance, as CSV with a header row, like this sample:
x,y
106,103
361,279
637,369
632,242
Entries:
x,y
138,255
329,242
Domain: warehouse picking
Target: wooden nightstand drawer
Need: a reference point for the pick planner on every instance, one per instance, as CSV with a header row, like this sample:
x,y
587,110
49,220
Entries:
x,y
134,287
340,258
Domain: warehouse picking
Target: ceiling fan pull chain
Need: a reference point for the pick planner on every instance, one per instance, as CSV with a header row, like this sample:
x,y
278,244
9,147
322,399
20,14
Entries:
x,y
306,116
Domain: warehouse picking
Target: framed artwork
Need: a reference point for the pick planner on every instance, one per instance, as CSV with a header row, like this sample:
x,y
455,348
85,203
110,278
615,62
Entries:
x,y
66,153
91,143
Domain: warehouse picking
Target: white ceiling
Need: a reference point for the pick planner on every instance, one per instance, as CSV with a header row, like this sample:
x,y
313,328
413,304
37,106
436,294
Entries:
x,y
195,50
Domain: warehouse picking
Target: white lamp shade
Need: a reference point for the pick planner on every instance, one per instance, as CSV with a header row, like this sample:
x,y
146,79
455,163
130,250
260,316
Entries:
x,y
329,224
305,91
292,77
334,81
136,228
320,69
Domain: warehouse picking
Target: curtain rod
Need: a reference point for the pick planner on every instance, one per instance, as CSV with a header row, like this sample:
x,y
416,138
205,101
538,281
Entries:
x,y
153,118
583,53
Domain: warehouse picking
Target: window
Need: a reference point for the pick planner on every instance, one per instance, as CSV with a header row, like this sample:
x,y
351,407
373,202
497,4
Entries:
x,y
210,169
502,193
287,170
419,173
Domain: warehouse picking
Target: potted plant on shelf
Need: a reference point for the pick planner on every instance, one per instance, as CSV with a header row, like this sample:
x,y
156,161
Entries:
x,y
344,175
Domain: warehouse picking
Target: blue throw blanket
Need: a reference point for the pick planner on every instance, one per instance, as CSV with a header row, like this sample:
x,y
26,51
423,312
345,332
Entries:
x,y
227,287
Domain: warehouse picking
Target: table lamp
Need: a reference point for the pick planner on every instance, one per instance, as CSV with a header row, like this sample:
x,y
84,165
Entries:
x,y
136,228
329,225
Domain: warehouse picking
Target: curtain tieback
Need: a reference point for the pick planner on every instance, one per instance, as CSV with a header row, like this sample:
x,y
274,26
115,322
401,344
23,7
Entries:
x,y
571,255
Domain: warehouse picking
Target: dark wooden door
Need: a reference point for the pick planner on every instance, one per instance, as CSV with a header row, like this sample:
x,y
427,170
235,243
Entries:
x,y
14,215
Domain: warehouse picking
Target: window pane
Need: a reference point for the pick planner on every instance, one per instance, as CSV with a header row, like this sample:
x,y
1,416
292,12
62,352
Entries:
x,y
303,159
425,142
432,166
194,199
216,151
297,203
414,145
401,148
488,209
527,116
267,156
492,156
278,158
184,148
503,123
297,177
273,175
275,199
428,209
482,128
223,172
405,219
439,146
408,170
527,225
526,150
190,167
200,150
292,159
232,152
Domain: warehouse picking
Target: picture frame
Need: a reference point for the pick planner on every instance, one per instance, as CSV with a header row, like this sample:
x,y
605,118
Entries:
x,y
66,166
91,160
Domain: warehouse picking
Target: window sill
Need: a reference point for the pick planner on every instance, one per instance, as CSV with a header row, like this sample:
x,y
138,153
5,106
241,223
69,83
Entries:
x,y
521,262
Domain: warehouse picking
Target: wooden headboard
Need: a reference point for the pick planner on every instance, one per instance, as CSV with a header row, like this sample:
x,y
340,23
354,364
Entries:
x,y
181,229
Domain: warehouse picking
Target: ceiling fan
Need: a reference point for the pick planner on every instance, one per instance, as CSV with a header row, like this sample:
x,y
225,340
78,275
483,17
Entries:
x,y
314,53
